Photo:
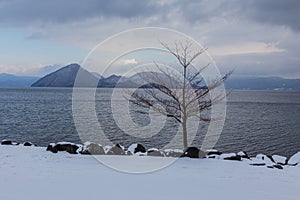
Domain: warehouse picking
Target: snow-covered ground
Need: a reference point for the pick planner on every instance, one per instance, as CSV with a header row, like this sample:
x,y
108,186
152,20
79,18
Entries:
x,y
33,173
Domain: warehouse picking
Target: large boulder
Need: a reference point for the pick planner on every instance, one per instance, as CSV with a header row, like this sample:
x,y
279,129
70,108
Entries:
x,y
93,149
136,148
294,160
51,148
193,152
6,142
116,150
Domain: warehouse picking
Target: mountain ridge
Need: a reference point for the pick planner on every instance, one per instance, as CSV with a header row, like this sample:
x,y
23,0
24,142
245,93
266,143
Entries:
x,y
11,80
65,77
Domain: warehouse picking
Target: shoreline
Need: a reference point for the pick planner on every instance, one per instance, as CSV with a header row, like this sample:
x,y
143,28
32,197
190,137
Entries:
x,y
89,148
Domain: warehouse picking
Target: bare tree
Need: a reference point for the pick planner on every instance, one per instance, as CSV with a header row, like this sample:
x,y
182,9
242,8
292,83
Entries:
x,y
180,96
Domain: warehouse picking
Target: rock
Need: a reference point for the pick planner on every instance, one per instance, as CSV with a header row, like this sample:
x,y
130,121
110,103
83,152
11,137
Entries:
x,y
259,164
135,148
173,153
261,160
230,156
294,160
51,148
278,166
72,149
243,154
27,144
279,159
155,152
213,152
63,146
93,149
193,152
271,158
6,142
116,150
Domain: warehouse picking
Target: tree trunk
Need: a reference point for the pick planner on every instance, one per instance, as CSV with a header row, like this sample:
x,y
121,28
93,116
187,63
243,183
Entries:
x,y
184,132
184,118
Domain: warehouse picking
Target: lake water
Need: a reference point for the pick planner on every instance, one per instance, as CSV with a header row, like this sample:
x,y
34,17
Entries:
x,y
257,121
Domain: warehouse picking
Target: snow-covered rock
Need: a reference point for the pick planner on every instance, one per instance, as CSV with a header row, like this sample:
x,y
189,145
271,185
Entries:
x,y
243,154
295,159
9,142
279,159
261,160
63,146
230,156
213,152
27,144
136,148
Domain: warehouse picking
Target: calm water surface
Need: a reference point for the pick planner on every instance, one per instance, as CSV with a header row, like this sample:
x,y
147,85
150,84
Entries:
x,y
257,121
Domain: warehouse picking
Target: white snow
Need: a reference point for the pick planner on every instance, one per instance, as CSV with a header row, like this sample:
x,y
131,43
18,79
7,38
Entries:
x,y
295,159
132,147
261,159
152,149
107,148
279,159
241,153
32,173
227,155
173,150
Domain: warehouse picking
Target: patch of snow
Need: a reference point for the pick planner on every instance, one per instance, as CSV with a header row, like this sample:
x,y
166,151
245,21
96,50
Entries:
x,y
132,147
261,159
153,149
227,155
107,148
295,159
212,150
279,159
241,153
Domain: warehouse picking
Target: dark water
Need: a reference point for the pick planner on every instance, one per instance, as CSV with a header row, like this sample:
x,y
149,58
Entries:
x,y
257,121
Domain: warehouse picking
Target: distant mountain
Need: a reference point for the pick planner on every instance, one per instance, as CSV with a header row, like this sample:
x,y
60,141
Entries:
x,y
65,77
116,81
10,80
262,83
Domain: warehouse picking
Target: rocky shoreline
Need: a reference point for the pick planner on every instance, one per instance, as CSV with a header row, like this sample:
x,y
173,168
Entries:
x,y
89,148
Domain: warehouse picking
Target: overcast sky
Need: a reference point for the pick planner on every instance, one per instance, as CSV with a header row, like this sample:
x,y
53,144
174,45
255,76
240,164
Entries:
x,y
254,37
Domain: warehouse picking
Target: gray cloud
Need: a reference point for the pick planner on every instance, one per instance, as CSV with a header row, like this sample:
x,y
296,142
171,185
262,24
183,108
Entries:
x,y
56,11
276,12
215,24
